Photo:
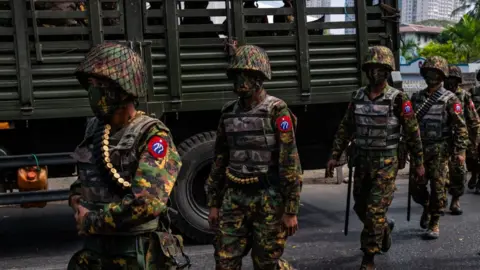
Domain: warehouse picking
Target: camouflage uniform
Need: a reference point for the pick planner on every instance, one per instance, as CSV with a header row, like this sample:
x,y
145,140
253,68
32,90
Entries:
x,y
125,174
472,154
284,19
457,171
65,6
443,133
375,125
256,176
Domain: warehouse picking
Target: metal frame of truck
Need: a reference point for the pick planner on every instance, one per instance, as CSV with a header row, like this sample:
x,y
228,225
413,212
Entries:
x,y
45,108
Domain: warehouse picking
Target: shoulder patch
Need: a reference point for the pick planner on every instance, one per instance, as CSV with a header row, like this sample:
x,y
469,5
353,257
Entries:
x,y
457,108
284,123
157,147
407,108
472,105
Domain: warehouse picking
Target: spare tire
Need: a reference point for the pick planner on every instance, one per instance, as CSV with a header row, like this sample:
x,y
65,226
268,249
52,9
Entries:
x,y
189,195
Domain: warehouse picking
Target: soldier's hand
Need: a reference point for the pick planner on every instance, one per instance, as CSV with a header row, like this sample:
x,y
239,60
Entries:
x,y
331,164
290,223
461,159
420,171
213,218
80,218
75,202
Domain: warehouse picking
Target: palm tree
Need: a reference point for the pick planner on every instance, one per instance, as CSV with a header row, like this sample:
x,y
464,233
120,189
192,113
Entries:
x,y
465,36
473,7
409,49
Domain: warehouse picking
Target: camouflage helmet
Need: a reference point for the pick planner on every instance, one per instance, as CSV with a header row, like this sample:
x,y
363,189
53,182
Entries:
x,y
455,72
253,58
437,63
117,63
379,55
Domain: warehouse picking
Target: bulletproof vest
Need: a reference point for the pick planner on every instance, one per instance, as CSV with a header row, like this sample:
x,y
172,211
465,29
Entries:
x,y
434,125
251,139
98,187
476,96
377,127
461,94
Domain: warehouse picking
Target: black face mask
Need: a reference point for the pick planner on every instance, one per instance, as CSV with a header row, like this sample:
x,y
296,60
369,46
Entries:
x,y
245,85
432,78
451,84
377,76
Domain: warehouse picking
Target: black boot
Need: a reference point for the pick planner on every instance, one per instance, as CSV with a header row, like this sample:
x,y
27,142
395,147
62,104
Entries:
x,y
368,263
387,235
425,219
455,206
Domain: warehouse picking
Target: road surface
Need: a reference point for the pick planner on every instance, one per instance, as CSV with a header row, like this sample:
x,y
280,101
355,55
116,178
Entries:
x,y
46,238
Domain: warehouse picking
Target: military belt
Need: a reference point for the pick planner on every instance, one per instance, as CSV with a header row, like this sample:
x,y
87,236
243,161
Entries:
x,y
114,245
377,153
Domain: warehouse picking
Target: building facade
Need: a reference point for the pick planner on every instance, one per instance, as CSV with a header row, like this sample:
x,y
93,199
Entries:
x,y
421,10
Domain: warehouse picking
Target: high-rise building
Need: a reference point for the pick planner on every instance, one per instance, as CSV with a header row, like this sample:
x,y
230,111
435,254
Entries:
x,y
414,11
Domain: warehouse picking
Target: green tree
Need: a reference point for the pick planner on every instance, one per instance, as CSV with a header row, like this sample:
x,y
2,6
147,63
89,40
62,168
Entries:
x,y
465,37
446,50
408,49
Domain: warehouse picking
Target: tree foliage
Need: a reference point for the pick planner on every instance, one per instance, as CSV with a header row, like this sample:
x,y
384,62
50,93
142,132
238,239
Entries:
x,y
446,50
459,43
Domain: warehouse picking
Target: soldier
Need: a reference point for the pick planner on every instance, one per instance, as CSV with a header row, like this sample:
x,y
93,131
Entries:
x,y
255,183
59,6
127,164
442,128
374,119
457,171
284,19
473,156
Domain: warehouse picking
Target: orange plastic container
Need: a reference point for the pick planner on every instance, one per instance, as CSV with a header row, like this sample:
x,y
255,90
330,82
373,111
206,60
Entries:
x,y
32,179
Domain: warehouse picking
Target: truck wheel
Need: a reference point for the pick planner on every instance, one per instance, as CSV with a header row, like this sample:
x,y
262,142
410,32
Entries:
x,y
189,196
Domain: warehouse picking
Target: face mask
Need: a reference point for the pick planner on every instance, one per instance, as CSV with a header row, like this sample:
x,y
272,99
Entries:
x,y
245,86
377,76
432,78
451,84
104,102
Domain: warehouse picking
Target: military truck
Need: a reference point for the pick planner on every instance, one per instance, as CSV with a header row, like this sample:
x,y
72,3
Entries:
x,y
43,109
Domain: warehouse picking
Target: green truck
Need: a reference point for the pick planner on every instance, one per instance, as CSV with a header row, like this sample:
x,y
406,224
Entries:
x,y
43,109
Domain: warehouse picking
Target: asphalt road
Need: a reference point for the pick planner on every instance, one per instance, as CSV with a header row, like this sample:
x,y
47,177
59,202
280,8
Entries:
x,y
46,238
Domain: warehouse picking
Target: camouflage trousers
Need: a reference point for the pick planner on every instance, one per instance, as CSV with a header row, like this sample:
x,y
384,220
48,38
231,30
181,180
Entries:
x,y
251,220
373,190
456,177
435,162
118,253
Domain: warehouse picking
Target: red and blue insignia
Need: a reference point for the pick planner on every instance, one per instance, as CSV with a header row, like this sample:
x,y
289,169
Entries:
x,y
284,123
157,147
407,108
457,108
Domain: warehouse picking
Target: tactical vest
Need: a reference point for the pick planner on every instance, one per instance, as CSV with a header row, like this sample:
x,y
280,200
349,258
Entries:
x,y
476,97
251,140
461,95
377,127
434,125
98,187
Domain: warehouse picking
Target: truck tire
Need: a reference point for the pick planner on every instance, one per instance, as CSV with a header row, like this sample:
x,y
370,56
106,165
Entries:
x,y
189,196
